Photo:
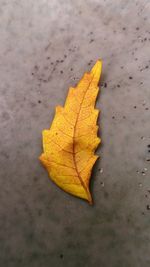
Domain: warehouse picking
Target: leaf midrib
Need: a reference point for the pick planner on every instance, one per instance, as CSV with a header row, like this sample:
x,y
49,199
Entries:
x,y
74,154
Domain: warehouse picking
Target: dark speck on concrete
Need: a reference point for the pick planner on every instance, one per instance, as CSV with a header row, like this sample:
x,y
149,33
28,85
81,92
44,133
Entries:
x,y
124,28
148,207
90,62
61,71
91,41
148,145
36,67
61,256
130,77
39,101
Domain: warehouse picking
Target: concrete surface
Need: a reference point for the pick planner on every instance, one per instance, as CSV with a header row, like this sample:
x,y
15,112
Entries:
x,y
45,47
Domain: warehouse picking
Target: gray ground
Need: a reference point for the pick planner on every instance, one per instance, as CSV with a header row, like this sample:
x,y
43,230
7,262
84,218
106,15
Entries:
x,y
45,47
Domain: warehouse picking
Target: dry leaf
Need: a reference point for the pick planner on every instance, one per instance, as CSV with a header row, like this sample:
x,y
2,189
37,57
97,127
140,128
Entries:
x,y
70,143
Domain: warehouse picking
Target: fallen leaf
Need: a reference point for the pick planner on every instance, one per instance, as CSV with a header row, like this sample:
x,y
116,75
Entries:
x,y
70,143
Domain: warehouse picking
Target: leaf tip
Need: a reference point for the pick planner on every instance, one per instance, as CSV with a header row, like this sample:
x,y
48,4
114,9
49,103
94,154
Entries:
x,y
97,69
97,66
89,197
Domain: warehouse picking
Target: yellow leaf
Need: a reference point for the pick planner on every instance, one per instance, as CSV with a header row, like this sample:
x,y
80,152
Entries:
x,y
71,141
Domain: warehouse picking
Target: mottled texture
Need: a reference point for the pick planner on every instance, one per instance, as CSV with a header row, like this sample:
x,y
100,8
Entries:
x,y
41,226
